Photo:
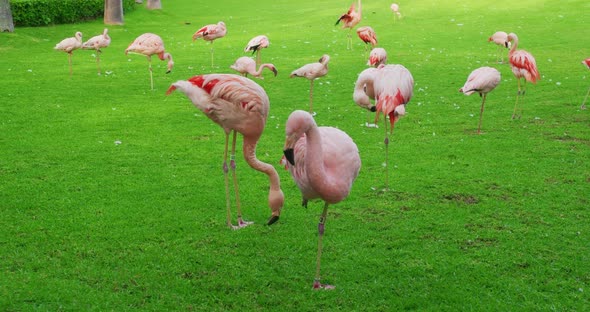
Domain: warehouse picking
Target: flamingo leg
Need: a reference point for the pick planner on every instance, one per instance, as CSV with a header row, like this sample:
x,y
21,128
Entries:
x,y
481,112
321,228
211,54
98,60
151,71
516,103
257,58
585,98
70,62
386,141
226,178
349,40
311,97
232,165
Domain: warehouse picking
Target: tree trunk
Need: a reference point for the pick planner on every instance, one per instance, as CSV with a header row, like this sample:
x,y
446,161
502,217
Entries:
x,y
6,22
113,12
154,4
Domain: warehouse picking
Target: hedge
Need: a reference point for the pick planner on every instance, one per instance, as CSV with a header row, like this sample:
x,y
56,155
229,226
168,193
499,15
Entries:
x,y
48,12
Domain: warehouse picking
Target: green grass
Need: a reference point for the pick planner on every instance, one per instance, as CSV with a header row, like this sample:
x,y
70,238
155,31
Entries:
x,y
494,222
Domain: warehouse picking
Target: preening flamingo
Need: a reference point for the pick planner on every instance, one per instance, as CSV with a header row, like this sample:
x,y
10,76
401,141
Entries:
x,y
149,44
324,162
97,43
68,45
245,65
394,87
367,35
395,9
523,66
587,63
364,92
255,45
312,71
377,57
482,80
349,20
238,105
500,38
210,33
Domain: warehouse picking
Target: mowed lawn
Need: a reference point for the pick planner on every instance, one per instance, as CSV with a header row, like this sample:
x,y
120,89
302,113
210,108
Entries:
x,y
112,195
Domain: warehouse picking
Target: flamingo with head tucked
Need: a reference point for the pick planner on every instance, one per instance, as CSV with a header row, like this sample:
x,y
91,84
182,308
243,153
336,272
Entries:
x,y
395,9
367,35
256,44
210,33
378,56
482,80
68,45
349,20
245,65
150,44
97,43
523,65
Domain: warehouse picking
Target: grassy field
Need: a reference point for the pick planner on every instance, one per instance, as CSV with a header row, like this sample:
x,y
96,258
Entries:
x,y
112,196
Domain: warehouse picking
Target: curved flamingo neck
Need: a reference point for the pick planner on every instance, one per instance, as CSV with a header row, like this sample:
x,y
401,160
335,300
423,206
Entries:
x,y
275,195
260,68
514,44
314,164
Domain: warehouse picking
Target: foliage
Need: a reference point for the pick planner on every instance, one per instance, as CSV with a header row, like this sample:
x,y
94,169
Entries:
x,y
49,12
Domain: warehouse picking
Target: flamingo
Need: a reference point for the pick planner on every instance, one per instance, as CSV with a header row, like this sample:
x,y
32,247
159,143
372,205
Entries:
x,y
312,71
395,9
68,45
246,65
394,87
96,43
238,105
367,35
324,162
523,66
500,38
255,45
377,57
587,63
364,91
349,20
210,33
149,44
482,80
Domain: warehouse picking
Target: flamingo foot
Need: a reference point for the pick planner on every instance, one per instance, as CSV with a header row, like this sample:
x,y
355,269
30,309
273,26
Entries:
x,y
371,125
317,286
272,220
516,116
241,224
583,107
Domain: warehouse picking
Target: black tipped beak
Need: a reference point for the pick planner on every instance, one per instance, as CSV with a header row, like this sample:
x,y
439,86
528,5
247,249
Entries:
x,y
506,44
167,72
272,220
373,109
290,155
274,70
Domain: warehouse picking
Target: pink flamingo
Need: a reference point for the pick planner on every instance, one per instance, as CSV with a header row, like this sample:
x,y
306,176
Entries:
x,y
367,35
500,38
312,71
255,45
238,105
149,44
394,87
377,57
523,66
587,63
395,9
482,80
364,92
245,65
349,20
210,33
68,45
324,162
96,43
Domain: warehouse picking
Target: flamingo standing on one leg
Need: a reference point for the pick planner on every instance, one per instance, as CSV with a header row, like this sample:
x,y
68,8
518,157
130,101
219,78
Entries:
x,y
367,35
587,63
312,71
149,44
245,65
68,45
255,45
324,162
349,20
97,43
238,105
394,87
499,38
364,92
210,33
482,80
523,66
395,9
377,57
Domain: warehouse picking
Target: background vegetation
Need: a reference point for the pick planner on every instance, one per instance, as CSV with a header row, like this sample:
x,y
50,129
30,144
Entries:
x,y
111,195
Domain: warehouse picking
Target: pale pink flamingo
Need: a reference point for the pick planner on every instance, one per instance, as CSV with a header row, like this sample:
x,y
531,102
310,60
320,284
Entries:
x,y
312,71
394,87
377,57
149,44
482,80
349,20
395,9
210,33
324,162
255,45
364,92
238,105
367,35
500,38
523,66
68,45
587,63
97,43
245,65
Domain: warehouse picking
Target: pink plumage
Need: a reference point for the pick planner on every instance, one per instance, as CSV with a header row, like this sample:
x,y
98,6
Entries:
x,y
377,57
586,62
68,45
500,38
311,72
349,20
150,44
324,162
256,44
211,32
364,90
245,65
238,105
97,43
482,80
395,9
367,35
523,65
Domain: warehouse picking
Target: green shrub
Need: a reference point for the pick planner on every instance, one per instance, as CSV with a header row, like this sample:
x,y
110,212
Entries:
x,y
46,12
